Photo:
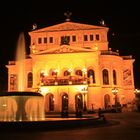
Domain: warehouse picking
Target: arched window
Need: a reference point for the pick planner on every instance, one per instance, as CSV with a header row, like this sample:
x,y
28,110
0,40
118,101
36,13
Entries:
x,y
66,73
30,79
105,77
114,77
54,72
78,72
51,102
91,73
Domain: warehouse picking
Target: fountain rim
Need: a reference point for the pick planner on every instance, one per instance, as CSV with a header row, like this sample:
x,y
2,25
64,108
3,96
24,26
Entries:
x,y
20,93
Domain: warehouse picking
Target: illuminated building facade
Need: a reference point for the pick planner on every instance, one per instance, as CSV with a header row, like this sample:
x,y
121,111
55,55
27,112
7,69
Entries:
x,y
72,66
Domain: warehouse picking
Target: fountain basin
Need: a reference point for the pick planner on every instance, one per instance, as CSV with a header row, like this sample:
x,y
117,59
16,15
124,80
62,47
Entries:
x,y
21,106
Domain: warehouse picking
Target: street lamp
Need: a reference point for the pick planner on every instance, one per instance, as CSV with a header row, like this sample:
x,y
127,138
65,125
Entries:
x,y
115,91
84,92
136,91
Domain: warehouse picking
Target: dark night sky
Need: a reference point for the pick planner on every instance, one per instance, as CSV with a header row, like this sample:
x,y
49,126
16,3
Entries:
x,y
121,17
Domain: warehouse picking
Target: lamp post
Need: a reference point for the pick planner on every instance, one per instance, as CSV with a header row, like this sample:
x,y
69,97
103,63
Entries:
x,y
115,91
137,95
84,92
136,91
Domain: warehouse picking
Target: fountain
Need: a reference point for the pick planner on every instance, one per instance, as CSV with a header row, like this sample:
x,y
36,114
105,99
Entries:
x,y
21,105
20,60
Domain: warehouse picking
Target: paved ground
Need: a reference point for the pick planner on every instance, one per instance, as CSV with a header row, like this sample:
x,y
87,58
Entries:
x,y
121,126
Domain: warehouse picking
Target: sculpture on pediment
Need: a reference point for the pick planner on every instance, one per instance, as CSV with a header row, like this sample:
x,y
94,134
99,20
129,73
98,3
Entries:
x,y
65,40
64,49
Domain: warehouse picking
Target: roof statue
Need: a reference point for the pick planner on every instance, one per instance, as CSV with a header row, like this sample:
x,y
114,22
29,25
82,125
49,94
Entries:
x,y
68,14
34,26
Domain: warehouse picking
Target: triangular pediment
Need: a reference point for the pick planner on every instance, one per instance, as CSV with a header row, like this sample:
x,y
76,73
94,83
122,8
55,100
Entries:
x,y
64,49
68,26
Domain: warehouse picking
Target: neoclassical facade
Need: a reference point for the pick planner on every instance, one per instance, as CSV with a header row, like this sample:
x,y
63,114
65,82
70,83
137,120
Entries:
x,y
71,65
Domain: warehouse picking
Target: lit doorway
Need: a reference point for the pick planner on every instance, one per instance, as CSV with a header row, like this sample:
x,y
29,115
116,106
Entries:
x,y
78,102
65,102
49,102
107,101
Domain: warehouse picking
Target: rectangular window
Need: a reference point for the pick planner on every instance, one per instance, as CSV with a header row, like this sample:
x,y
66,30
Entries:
x,y
51,39
62,39
39,40
45,39
73,38
97,37
68,38
13,82
30,80
85,38
91,37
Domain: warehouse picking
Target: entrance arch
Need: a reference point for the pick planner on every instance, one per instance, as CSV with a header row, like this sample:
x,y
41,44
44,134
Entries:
x,y
65,102
79,102
106,101
49,102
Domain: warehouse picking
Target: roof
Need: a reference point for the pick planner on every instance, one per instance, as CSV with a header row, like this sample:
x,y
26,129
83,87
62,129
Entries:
x,y
68,26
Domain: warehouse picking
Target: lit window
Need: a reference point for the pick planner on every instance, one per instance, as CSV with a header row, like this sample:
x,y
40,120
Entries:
x,y
91,73
85,38
73,38
30,80
105,77
39,40
54,73
78,72
97,37
51,39
91,37
45,39
13,82
114,77
66,73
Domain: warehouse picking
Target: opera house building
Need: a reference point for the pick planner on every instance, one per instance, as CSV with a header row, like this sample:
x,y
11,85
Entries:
x,y
71,65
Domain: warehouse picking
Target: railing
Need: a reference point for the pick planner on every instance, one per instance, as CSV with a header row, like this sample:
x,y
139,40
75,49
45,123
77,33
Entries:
x,y
109,53
127,57
62,81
